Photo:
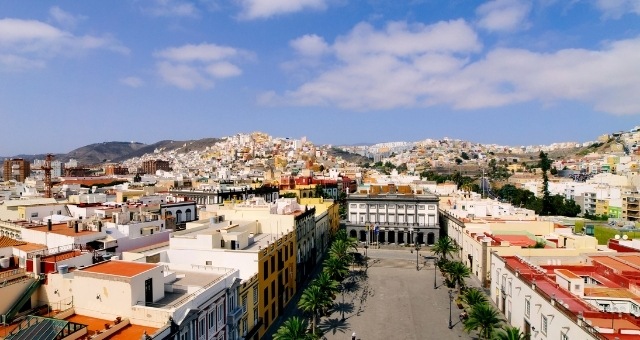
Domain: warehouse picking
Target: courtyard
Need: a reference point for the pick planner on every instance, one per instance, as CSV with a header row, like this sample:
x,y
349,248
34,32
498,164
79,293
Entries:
x,y
393,300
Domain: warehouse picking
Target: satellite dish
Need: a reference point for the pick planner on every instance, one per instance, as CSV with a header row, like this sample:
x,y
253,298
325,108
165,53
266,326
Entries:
x,y
625,237
617,237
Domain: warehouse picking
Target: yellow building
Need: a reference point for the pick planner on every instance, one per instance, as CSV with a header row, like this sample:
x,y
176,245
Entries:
x,y
276,279
330,206
602,207
248,296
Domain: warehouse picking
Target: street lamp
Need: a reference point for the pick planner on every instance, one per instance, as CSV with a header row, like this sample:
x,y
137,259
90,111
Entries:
x,y
417,250
450,301
435,267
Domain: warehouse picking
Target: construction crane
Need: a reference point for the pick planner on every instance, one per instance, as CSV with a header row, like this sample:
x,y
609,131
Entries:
x,y
47,175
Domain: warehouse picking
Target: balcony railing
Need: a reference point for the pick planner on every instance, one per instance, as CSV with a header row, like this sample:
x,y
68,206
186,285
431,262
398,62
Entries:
x,y
234,315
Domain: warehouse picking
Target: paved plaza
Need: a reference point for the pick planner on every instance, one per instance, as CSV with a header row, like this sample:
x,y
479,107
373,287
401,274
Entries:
x,y
393,300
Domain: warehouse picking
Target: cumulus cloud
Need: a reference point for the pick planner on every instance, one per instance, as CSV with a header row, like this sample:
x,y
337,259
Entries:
x,y
169,8
262,9
63,18
197,66
134,82
25,43
503,15
617,8
310,45
402,66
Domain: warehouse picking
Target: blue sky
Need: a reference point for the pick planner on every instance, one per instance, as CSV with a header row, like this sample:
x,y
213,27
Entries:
x,y
336,71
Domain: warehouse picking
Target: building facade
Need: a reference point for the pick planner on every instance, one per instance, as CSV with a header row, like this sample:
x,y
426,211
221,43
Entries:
x,y
393,218
151,166
16,169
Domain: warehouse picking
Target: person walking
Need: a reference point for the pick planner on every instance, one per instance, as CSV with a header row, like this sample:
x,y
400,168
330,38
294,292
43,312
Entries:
x,y
353,336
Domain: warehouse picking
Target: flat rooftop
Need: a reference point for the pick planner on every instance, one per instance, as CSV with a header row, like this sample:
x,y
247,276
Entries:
x,y
94,325
119,268
185,279
61,229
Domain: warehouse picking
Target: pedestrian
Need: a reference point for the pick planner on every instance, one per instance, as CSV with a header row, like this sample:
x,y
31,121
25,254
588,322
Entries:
x,y
353,336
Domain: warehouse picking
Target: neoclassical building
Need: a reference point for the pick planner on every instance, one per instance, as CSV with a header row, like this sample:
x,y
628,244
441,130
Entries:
x,y
393,217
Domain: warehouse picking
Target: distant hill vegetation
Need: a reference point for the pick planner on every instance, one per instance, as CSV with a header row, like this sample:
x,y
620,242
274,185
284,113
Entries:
x,y
105,152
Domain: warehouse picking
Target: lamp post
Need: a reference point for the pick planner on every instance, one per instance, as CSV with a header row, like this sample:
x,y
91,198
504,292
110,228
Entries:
x,y
435,268
450,301
417,250
342,301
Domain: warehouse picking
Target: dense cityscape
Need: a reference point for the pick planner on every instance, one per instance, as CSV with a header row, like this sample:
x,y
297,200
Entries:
x,y
319,170
256,236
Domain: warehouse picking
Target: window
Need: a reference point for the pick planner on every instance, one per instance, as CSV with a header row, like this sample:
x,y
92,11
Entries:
x,y
421,207
244,302
188,214
265,296
527,307
212,320
432,207
381,206
245,327
265,270
363,206
255,295
208,263
352,205
220,312
273,289
34,214
255,316
202,330
543,324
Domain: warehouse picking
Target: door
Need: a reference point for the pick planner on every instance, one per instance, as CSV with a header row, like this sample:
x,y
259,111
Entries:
x,y
148,291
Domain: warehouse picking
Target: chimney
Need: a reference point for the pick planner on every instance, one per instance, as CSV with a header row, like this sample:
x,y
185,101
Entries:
x,y
99,226
49,226
75,226
36,264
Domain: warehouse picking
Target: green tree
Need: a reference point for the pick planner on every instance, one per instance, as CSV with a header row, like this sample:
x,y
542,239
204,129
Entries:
x,y
293,328
312,301
444,247
464,155
483,319
289,195
545,165
326,283
337,268
457,273
458,161
509,333
473,297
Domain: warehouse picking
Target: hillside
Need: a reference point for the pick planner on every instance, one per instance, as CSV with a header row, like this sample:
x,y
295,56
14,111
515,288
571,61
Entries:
x,y
101,152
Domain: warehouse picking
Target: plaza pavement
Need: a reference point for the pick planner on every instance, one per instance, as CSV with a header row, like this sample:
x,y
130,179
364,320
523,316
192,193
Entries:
x,y
393,300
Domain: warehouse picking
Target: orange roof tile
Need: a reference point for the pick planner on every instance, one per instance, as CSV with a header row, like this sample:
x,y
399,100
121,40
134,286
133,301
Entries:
x,y
9,242
63,229
29,247
567,273
119,268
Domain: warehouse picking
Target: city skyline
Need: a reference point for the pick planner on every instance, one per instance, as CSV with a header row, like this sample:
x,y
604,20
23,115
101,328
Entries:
x,y
504,71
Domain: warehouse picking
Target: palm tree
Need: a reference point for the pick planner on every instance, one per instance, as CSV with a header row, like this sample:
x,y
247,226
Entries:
x,y
326,283
484,319
457,272
473,297
312,301
294,328
338,269
444,247
509,333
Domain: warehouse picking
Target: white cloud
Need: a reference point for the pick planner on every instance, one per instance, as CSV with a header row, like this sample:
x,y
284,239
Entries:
x,y
170,8
134,82
617,8
33,42
196,66
310,45
504,15
261,9
63,18
403,66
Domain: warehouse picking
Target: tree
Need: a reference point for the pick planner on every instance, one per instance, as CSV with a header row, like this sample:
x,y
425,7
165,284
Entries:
x,y
483,319
473,297
545,165
509,333
326,283
464,156
289,195
444,247
457,273
337,268
293,328
312,301
458,161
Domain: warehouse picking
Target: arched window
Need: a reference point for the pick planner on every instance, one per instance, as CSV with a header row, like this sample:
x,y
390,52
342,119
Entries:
x,y
187,215
179,216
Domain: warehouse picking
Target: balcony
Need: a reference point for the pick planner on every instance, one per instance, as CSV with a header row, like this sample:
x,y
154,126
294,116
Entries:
x,y
234,315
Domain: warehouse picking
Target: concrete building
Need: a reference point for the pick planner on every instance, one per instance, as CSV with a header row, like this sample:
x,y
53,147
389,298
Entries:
x,y
586,297
151,166
400,218
16,169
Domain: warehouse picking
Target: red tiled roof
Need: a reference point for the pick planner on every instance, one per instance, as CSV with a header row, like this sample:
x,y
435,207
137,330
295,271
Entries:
x,y
119,268
9,242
